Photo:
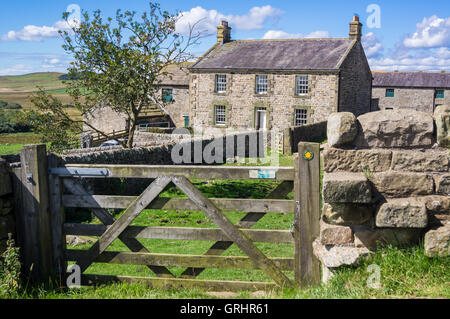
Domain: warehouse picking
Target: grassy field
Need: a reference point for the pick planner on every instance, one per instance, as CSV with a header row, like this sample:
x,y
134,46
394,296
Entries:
x,y
12,143
405,273
18,89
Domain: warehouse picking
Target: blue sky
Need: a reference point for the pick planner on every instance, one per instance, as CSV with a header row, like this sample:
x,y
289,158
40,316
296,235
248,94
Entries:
x,y
410,35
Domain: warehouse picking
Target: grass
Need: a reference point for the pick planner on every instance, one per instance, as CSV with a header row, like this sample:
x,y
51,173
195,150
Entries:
x,y
12,143
405,273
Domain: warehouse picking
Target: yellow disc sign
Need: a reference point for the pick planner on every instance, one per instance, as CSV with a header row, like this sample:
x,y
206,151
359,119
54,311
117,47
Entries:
x,y
308,155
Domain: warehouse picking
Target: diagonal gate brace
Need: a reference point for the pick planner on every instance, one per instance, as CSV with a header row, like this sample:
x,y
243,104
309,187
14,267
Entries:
x,y
132,243
133,210
234,233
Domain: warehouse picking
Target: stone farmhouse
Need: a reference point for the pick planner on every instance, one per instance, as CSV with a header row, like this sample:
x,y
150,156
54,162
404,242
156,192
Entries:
x,y
421,91
254,84
260,84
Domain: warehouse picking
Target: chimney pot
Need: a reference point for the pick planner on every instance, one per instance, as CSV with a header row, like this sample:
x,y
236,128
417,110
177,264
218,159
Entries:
x,y
355,29
223,32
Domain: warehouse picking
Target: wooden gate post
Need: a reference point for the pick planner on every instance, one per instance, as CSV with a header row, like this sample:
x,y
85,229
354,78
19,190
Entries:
x,y
33,216
307,213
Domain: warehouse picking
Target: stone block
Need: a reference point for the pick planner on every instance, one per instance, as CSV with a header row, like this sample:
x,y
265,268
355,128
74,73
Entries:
x,y
371,237
336,256
417,161
437,204
397,129
402,213
341,128
442,118
346,188
347,214
402,184
356,161
335,235
443,184
437,242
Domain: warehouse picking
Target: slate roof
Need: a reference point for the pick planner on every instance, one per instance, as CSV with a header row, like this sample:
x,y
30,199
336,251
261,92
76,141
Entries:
x,y
178,74
411,79
286,54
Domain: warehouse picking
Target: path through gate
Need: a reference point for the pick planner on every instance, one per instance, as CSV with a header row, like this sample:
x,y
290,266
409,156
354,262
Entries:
x,y
43,189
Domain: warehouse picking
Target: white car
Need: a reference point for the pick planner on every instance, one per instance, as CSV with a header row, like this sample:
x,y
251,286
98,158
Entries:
x,y
110,143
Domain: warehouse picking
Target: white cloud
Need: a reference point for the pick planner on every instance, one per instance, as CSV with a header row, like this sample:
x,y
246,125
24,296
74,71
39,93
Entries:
x,y
206,21
431,32
36,33
279,34
432,62
318,34
372,45
17,69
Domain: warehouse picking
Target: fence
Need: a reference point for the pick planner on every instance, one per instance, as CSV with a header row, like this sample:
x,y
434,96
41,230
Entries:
x,y
43,189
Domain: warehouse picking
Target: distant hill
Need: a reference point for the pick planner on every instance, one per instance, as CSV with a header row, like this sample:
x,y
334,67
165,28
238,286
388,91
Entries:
x,y
18,88
28,82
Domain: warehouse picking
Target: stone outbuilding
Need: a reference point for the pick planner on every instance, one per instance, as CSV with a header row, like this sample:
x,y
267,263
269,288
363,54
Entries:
x,y
277,84
420,91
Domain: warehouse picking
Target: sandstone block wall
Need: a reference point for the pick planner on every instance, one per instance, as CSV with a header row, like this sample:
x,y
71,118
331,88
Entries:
x,y
389,185
280,101
159,150
418,99
7,220
179,107
355,83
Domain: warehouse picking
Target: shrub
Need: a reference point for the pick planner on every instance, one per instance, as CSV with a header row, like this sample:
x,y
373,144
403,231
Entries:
x,y
10,122
3,104
10,271
13,106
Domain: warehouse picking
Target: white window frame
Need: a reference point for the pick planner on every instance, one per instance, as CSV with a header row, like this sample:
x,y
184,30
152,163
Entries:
x,y
300,117
220,115
262,84
221,83
301,85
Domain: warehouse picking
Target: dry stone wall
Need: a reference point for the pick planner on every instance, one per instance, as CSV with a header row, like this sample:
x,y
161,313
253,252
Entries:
x,y
387,184
7,221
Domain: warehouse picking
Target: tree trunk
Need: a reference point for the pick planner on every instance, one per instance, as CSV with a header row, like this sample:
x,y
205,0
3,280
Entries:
x,y
131,130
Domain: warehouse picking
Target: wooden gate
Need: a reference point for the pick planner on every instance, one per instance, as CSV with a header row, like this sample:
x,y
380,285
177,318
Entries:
x,y
43,189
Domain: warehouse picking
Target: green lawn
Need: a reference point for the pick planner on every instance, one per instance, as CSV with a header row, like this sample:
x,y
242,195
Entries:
x,y
12,143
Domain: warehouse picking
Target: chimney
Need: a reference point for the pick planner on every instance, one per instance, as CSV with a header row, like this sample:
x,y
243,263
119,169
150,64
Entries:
x,y
355,29
223,32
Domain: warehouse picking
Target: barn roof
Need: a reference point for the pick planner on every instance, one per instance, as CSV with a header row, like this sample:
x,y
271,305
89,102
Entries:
x,y
286,54
411,79
178,74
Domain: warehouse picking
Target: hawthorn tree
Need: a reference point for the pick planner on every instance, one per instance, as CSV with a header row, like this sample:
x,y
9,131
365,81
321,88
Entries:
x,y
119,63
